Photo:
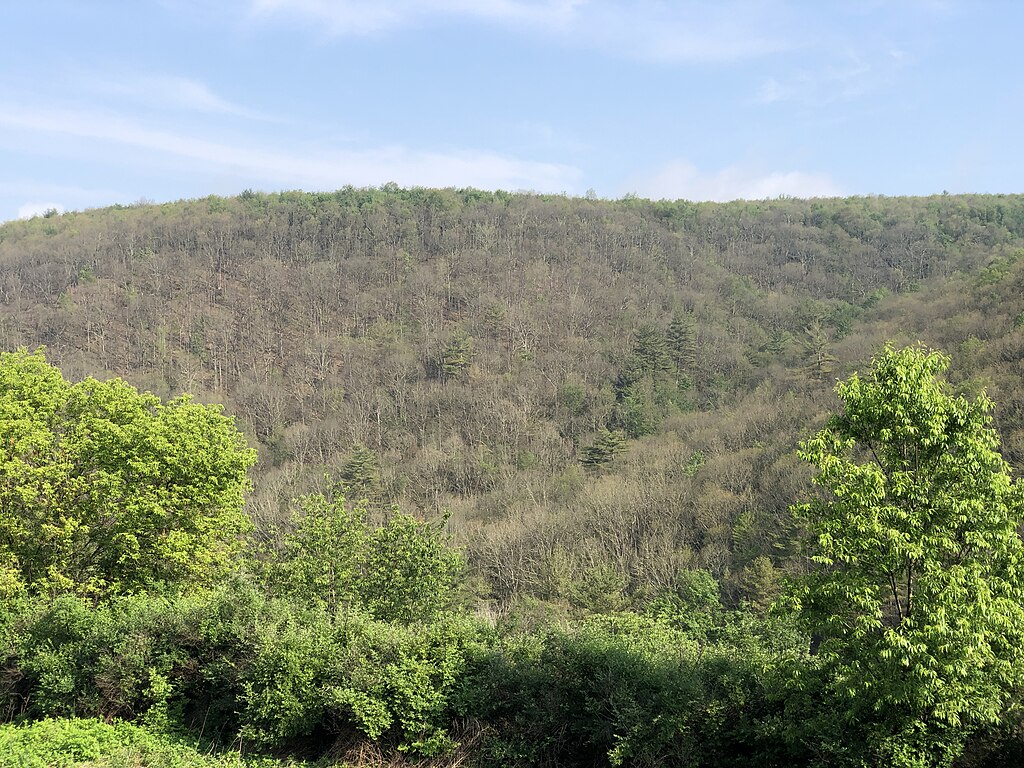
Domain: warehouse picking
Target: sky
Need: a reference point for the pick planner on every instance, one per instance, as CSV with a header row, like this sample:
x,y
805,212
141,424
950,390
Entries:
x,y
120,101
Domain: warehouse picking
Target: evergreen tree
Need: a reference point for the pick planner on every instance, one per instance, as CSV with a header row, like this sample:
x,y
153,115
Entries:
x,y
817,352
681,341
360,473
456,356
650,349
608,444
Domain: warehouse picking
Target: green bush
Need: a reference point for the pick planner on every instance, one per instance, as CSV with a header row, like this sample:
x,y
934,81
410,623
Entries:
x,y
72,658
405,570
632,690
68,743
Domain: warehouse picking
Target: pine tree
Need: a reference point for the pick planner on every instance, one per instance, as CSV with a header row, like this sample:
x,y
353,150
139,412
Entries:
x,y
682,341
650,349
608,444
359,474
456,357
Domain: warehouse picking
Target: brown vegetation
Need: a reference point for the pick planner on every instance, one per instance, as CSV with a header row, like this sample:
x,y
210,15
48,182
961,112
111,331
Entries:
x,y
477,344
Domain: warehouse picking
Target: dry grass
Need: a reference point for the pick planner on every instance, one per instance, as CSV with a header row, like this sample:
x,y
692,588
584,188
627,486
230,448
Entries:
x,y
354,752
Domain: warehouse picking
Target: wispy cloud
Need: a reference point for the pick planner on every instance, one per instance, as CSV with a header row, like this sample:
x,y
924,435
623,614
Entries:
x,y
683,180
358,17
854,77
168,92
319,168
681,31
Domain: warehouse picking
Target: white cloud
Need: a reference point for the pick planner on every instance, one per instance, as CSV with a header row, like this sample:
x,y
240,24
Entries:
x,y
320,168
360,17
30,210
683,180
683,30
855,77
771,90
170,93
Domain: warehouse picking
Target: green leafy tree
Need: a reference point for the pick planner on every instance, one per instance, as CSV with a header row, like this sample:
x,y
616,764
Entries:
x,y
106,490
322,558
411,571
405,570
917,591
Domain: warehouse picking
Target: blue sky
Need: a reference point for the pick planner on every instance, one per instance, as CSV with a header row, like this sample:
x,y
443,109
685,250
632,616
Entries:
x,y
107,102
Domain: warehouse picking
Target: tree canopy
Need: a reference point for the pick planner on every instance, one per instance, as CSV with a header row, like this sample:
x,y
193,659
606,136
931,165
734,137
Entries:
x,y
917,594
106,490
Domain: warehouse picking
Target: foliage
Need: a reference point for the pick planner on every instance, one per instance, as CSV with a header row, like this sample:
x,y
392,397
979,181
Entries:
x,y
604,448
105,490
360,473
411,572
322,556
404,570
681,341
630,690
404,681
234,663
319,321
454,359
323,321
917,596
97,744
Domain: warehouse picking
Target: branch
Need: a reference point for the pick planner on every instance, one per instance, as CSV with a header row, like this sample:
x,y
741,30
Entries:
x,y
896,597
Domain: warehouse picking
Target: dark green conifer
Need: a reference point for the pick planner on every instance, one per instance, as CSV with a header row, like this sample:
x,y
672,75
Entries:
x,y
604,448
359,474
682,341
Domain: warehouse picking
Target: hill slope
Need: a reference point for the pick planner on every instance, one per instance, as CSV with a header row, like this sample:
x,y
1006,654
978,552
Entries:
x,y
604,393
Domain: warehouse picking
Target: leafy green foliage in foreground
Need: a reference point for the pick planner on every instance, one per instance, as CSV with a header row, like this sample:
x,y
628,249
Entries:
x,y
918,595
68,743
903,648
404,570
106,490
237,665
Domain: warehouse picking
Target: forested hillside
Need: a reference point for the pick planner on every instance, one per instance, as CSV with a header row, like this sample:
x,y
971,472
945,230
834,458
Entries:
x,y
604,394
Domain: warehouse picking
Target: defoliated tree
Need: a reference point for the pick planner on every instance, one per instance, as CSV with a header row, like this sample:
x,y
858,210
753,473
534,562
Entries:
x,y
917,591
106,490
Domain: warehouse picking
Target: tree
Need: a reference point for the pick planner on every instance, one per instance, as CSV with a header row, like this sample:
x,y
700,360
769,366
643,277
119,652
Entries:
x,y
456,356
403,571
411,570
682,341
604,448
323,553
106,490
817,351
918,581
360,473
650,349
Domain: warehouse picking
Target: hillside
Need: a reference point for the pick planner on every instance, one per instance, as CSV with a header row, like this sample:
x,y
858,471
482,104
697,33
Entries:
x,y
603,393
